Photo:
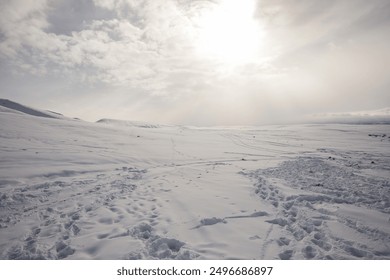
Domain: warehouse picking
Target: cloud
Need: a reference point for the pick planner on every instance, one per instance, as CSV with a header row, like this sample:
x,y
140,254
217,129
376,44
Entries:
x,y
21,24
314,56
120,42
296,25
120,50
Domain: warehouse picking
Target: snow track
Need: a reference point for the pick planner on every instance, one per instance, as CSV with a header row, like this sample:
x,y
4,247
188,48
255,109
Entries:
x,y
317,199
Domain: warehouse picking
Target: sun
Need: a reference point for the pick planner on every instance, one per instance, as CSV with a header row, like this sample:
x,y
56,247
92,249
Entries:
x,y
229,33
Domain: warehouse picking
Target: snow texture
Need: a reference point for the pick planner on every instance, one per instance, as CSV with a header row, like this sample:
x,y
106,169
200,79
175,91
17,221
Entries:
x,y
130,190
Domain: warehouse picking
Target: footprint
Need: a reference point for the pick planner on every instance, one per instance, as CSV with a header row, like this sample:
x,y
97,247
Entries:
x,y
210,222
355,252
63,250
286,255
283,241
288,205
158,247
299,234
72,227
307,226
106,221
103,235
317,223
278,221
141,231
322,244
309,252
255,237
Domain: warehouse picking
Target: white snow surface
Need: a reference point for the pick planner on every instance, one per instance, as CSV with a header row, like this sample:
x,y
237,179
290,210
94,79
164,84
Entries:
x,y
77,190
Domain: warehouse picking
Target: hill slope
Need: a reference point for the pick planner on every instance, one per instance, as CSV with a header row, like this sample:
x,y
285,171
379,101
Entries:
x,y
16,107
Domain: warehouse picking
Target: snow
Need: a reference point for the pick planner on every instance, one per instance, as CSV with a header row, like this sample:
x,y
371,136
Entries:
x,y
381,116
131,190
13,107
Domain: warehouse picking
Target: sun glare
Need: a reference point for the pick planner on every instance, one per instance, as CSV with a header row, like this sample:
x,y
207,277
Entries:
x,y
228,32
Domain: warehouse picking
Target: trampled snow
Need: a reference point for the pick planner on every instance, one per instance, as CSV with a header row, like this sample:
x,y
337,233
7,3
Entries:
x,y
128,190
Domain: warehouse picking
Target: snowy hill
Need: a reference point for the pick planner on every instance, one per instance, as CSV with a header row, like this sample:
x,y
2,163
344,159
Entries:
x,y
381,116
79,190
13,107
129,123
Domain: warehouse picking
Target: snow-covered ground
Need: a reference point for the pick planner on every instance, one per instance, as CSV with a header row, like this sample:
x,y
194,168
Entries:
x,y
70,189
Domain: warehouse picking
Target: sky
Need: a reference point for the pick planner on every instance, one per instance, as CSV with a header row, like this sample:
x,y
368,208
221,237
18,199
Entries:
x,y
196,62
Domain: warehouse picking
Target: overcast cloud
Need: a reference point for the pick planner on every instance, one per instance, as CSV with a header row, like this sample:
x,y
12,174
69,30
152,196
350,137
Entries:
x,y
145,60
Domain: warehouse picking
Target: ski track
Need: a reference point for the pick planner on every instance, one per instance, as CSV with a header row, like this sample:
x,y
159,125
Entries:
x,y
305,201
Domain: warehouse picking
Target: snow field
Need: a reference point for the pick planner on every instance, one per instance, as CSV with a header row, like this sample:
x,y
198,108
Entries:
x,y
127,190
